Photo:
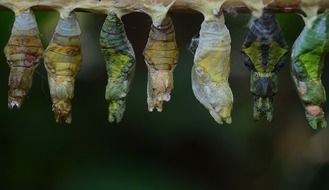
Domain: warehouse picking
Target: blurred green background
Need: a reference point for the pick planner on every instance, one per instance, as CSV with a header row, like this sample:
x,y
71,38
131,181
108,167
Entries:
x,y
181,148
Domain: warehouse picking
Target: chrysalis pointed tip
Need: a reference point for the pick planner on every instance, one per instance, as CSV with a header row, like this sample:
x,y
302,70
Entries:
x,y
317,122
63,118
219,121
117,109
318,125
159,109
160,86
269,116
221,115
14,103
228,120
155,106
62,111
215,115
115,117
111,118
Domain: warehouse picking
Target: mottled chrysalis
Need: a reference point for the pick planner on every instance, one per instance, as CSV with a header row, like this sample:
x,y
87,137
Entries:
x,y
23,52
308,56
266,51
120,63
62,60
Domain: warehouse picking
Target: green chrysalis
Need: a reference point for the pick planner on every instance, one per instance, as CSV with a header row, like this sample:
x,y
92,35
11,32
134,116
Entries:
x,y
307,64
120,63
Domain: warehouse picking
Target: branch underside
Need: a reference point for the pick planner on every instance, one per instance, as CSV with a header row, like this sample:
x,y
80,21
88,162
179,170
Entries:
x,y
102,6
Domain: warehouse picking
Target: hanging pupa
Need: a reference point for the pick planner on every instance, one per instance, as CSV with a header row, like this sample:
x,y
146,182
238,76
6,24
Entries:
x,y
307,65
211,68
266,51
161,56
23,52
120,63
62,60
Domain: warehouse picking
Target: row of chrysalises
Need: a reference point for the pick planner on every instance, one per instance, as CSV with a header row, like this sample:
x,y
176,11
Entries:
x,y
265,51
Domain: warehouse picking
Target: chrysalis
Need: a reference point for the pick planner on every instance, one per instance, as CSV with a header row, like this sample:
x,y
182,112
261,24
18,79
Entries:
x,y
62,59
307,64
120,63
23,52
161,57
212,67
265,50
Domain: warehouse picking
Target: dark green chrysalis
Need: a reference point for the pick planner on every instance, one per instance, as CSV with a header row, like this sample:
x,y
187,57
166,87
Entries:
x,y
265,50
307,64
120,63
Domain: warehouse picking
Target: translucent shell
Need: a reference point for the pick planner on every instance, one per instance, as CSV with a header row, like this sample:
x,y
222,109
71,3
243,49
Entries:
x,y
120,63
211,69
307,66
23,52
161,56
62,60
265,50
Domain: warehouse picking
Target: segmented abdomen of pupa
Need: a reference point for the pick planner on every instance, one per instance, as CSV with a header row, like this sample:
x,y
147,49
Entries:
x,y
161,57
62,60
307,64
23,52
211,69
120,63
265,50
